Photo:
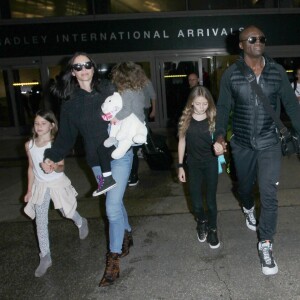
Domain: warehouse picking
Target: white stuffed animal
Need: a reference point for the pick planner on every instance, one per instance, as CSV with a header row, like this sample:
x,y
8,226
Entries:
x,y
126,132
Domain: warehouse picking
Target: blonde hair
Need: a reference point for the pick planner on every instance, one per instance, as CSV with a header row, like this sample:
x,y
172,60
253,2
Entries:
x,y
185,119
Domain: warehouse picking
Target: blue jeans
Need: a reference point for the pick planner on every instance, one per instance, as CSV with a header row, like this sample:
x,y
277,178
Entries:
x,y
115,209
264,167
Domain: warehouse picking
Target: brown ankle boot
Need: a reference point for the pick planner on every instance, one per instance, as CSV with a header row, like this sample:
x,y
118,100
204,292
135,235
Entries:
x,y
112,270
127,243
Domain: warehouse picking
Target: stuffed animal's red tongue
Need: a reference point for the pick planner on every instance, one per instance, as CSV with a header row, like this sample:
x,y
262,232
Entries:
x,y
107,117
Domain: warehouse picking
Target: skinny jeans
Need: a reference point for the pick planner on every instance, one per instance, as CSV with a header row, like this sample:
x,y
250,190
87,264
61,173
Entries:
x,y
264,167
115,209
204,174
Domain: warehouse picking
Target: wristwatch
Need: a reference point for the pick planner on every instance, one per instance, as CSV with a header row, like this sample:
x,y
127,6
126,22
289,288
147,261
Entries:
x,y
179,166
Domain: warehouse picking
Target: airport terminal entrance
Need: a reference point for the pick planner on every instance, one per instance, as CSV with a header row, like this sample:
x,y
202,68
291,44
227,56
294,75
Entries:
x,y
24,88
21,96
173,82
175,87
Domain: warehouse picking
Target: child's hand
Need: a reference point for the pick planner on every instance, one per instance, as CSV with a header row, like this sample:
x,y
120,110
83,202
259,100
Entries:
x,y
49,162
27,196
220,147
181,175
47,167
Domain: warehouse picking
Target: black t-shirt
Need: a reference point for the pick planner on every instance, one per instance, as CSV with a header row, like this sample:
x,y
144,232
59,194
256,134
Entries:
x,y
199,141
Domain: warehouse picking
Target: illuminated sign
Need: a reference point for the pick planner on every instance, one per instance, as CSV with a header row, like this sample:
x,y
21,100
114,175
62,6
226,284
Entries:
x,y
148,34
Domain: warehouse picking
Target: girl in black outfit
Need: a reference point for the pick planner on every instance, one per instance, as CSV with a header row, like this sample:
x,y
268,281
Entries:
x,y
195,130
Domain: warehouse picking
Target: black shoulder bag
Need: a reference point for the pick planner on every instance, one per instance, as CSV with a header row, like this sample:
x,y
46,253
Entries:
x,y
289,140
156,152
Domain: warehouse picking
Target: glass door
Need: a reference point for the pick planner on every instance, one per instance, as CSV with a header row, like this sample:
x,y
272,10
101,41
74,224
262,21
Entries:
x,y
175,86
27,90
6,107
24,89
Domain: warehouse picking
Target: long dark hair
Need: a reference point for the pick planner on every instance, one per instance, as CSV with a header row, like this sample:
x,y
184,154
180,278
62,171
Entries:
x,y
50,117
66,82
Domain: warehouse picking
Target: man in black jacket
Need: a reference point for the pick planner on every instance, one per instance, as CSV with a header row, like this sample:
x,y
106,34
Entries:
x,y
255,141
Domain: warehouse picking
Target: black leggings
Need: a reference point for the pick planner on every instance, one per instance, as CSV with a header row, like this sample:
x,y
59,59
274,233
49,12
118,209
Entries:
x,y
135,161
199,173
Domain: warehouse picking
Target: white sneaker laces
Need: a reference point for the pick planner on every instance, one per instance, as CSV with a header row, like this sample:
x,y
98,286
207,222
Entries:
x,y
251,216
266,253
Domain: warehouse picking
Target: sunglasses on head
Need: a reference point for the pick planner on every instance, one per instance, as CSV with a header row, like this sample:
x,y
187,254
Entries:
x,y
253,39
78,67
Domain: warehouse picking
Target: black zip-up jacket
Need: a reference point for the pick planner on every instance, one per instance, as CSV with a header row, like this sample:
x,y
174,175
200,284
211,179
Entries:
x,y
82,114
252,126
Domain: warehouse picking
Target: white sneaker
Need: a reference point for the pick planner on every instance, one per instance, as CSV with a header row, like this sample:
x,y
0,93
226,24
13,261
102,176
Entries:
x,y
268,264
250,218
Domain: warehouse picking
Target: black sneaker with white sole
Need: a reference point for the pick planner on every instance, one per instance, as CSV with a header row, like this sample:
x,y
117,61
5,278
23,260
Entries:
x,y
202,231
212,238
268,264
133,180
104,184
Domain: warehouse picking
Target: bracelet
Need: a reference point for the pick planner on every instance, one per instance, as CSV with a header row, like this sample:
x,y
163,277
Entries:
x,y
179,166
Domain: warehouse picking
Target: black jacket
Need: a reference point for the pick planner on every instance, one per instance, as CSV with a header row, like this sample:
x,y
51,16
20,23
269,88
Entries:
x,y
82,114
252,126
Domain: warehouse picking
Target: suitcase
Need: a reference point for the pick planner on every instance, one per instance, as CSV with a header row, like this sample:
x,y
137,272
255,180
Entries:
x,y
156,152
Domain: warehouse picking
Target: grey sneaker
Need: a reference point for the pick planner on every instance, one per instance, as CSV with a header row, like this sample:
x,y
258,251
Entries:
x,y
83,229
104,184
250,218
202,231
268,264
45,263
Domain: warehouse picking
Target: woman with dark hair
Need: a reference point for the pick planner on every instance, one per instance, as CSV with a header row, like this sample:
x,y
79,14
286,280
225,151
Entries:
x,y
84,94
